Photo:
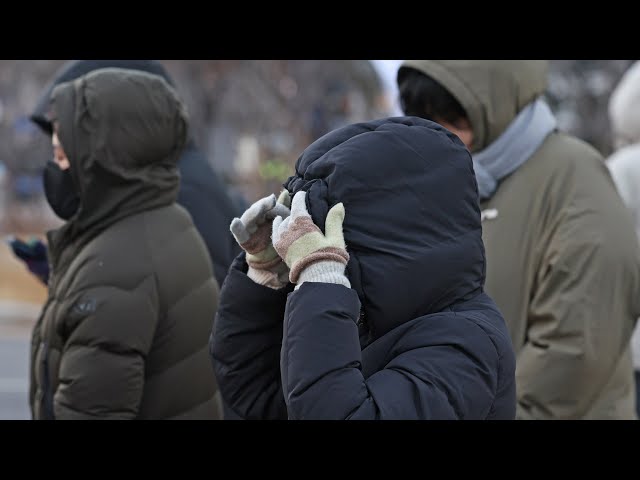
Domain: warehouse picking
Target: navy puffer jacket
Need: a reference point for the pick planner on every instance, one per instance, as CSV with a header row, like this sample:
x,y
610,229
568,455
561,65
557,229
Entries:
x,y
415,337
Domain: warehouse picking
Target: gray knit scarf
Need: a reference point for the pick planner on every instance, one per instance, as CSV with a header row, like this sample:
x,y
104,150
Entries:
x,y
514,147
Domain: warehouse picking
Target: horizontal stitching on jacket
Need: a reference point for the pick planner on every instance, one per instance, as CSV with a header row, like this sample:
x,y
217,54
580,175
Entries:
x,y
177,363
103,285
409,374
190,409
103,416
484,321
190,291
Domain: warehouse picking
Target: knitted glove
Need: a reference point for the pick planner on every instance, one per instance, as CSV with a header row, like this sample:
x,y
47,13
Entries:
x,y
311,255
252,231
34,254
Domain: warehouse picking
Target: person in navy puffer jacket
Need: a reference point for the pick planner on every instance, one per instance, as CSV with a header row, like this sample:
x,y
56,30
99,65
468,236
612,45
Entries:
x,y
359,294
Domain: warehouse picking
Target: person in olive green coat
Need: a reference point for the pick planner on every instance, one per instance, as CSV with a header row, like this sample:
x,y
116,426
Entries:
x,y
563,264
132,298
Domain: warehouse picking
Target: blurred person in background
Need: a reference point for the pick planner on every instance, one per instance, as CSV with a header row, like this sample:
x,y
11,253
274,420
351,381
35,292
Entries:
x,y
624,164
202,193
360,292
132,297
563,263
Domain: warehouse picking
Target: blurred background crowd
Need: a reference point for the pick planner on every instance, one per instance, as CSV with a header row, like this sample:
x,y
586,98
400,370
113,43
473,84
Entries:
x,y
254,117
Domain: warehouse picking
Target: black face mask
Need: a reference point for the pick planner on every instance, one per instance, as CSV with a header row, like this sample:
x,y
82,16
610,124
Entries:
x,y
60,191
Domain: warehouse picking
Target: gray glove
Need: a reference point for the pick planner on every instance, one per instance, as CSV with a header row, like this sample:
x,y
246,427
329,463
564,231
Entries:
x,y
252,231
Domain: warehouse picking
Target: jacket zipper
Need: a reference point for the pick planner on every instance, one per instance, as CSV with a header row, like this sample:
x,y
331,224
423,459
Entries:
x,y
47,394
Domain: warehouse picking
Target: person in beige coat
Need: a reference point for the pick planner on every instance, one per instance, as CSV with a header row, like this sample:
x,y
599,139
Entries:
x,y
563,263
624,164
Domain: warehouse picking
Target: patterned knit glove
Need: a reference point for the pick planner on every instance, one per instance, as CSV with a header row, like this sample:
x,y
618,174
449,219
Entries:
x,y
252,231
311,255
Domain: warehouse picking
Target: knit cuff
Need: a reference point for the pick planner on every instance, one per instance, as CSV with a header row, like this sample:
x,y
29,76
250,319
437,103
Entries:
x,y
326,271
327,254
275,278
